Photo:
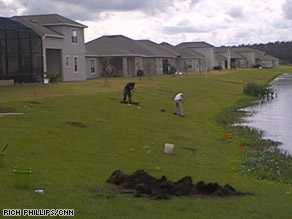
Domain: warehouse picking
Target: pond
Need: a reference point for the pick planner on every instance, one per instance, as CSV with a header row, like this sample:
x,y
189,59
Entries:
x,y
274,116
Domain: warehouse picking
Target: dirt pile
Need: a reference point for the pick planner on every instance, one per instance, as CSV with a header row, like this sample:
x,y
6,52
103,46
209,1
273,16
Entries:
x,y
141,184
76,124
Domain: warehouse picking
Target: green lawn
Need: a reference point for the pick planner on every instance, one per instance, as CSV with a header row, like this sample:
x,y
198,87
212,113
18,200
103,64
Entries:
x,y
72,163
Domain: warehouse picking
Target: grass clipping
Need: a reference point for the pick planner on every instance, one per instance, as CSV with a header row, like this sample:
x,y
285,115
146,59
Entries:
x,y
141,184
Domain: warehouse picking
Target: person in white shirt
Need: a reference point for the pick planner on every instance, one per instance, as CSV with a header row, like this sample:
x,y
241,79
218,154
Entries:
x,y
178,99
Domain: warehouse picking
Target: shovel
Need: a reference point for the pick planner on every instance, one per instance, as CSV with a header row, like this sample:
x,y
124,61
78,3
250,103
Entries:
x,y
4,149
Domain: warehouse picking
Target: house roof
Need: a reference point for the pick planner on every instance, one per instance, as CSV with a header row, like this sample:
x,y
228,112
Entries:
x,y
219,57
194,45
235,52
241,49
114,45
119,45
154,49
263,56
51,19
181,52
221,49
259,54
234,55
272,57
41,23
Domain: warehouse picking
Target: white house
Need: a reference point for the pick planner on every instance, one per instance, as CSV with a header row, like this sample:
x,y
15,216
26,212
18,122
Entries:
x,y
203,48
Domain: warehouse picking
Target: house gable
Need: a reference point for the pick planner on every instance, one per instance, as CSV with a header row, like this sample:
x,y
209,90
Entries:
x,y
62,42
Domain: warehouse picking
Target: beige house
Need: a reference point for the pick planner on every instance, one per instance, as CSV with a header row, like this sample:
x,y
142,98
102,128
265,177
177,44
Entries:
x,y
127,56
36,44
185,58
62,44
236,60
275,61
265,61
247,55
120,51
156,59
203,48
222,57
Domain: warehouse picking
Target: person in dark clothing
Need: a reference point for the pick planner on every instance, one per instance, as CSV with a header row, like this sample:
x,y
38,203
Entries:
x,y
128,91
140,73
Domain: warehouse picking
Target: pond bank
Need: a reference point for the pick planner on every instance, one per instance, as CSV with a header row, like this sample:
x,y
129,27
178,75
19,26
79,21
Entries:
x,y
263,157
274,116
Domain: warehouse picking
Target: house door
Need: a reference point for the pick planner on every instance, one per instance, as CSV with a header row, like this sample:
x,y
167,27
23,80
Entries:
x,y
232,64
226,64
53,61
165,66
131,67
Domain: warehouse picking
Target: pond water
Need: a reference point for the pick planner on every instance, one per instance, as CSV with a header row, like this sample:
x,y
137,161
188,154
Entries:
x,y
274,116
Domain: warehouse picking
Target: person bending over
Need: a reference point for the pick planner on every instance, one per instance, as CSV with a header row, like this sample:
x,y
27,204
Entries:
x,y
178,100
129,88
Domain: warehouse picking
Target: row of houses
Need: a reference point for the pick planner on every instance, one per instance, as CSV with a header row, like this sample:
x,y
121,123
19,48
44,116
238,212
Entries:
x,y
33,45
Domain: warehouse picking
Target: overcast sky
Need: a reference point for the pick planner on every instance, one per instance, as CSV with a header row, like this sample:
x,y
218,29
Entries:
x,y
218,22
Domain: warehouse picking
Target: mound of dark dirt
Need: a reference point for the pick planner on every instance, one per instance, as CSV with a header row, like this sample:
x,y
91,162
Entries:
x,y
33,102
76,124
190,149
133,103
141,184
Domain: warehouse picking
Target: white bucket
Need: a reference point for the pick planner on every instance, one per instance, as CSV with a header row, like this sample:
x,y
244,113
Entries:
x,y
46,81
168,148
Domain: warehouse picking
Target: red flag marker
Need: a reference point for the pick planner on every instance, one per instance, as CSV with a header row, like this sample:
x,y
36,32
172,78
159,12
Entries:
x,y
225,135
34,94
240,146
52,102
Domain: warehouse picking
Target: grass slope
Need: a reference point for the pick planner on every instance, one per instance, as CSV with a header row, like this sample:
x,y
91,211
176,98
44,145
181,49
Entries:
x,y
72,163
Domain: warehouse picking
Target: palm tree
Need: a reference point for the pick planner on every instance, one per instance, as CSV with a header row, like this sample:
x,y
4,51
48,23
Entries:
x,y
108,69
185,68
148,69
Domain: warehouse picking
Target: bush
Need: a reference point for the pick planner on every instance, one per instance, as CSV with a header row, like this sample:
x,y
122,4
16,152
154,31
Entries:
x,y
53,77
218,67
140,73
257,66
172,70
257,90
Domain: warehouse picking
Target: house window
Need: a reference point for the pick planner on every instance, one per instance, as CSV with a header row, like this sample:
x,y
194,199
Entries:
x,y
75,64
190,63
67,63
74,36
242,63
92,66
158,64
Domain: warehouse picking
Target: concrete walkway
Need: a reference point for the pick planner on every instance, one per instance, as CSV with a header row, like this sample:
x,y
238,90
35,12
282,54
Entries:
x,y
9,114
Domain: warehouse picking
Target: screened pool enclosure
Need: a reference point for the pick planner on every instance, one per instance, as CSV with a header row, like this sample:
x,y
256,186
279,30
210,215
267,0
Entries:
x,y
20,52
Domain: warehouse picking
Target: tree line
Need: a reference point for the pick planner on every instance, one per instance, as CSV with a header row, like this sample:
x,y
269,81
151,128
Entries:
x,y
281,50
